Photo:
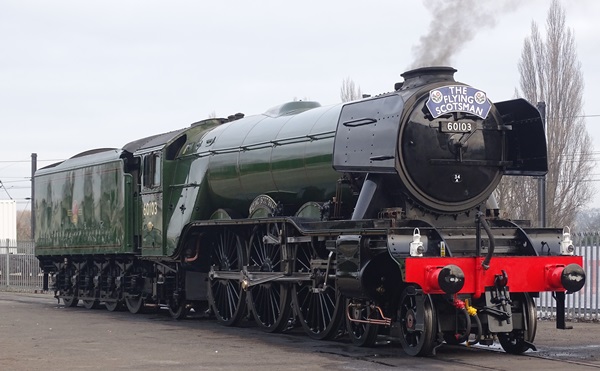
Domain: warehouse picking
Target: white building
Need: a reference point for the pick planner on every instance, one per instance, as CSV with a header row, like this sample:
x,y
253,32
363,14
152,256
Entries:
x,y
8,226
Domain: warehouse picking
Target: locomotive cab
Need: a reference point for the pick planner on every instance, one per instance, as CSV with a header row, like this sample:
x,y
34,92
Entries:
x,y
149,156
151,198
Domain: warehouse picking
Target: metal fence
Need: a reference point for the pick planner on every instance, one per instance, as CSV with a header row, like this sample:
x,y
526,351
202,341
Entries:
x,y
582,305
19,271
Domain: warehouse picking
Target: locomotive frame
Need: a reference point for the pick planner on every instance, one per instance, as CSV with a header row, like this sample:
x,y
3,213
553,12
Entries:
x,y
372,218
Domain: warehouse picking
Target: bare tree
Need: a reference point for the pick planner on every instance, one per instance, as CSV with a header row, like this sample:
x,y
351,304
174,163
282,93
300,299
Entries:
x,y
551,72
24,225
348,91
588,220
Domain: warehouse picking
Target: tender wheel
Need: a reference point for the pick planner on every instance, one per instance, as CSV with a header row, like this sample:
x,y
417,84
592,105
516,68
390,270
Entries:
x,y
112,306
270,302
361,334
134,287
226,297
416,341
518,341
317,303
91,304
70,301
110,288
66,284
135,305
87,286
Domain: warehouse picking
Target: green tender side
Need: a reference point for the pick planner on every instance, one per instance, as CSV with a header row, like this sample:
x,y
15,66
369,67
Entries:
x,y
84,206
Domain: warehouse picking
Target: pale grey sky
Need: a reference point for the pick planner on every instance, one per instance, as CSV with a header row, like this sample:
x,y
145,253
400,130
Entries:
x,y
76,75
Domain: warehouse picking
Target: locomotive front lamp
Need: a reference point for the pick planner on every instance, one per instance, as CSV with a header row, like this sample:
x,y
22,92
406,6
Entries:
x,y
416,246
566,245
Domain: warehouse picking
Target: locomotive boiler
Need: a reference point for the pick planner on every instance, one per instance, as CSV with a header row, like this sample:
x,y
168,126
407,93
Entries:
x,y
374,218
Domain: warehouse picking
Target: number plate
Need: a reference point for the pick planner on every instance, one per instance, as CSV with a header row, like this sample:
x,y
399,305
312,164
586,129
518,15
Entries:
x,y
456,127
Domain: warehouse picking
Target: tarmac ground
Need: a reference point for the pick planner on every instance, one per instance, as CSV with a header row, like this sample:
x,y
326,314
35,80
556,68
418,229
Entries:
x,y
37,333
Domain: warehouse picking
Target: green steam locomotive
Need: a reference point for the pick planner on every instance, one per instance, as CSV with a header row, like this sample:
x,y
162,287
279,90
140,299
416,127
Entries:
x,y
372,218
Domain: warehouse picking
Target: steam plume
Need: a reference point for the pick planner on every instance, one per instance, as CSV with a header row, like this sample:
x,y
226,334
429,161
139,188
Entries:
x,y
453,25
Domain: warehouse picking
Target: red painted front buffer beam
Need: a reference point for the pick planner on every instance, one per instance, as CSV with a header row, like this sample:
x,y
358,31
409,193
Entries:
x,y
525,273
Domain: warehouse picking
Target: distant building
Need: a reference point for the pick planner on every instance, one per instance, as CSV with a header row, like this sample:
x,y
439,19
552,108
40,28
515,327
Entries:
x,y
8,226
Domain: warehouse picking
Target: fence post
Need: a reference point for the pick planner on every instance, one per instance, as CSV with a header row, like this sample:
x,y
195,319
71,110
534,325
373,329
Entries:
x,y
7,275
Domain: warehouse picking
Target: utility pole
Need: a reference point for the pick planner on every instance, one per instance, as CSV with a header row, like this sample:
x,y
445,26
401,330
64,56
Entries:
x,y
541,106
33,169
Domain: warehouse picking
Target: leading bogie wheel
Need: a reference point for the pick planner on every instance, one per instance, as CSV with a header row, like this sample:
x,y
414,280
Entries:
x,y
519,340
226,297
361,333
417,339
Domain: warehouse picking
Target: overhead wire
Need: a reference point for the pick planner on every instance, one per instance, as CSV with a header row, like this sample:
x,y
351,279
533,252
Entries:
x,y
572,154
5,190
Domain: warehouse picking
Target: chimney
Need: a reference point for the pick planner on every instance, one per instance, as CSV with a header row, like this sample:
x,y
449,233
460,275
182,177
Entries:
x,y
426,75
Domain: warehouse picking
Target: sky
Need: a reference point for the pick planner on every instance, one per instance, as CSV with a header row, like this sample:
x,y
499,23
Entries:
x,y
77,75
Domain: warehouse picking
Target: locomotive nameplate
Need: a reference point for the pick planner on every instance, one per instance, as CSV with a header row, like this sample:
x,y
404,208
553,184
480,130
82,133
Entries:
x,y
456,127
458,98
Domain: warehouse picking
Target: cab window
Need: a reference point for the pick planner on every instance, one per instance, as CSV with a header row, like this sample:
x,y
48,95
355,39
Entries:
x,y
151,178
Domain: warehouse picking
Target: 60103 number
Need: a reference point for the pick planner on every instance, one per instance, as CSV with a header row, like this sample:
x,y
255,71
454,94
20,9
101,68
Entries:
x,y
150,208
456,127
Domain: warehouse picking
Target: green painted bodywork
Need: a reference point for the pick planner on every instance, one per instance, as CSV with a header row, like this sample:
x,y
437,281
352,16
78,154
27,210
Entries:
x,y
97,203
286,155
83,206
185,196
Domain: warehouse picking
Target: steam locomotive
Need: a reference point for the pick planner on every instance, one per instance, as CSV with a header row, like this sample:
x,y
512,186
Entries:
x,y
374,218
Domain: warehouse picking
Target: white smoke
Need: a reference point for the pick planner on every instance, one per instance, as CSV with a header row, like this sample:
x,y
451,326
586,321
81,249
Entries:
x,y
454,23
